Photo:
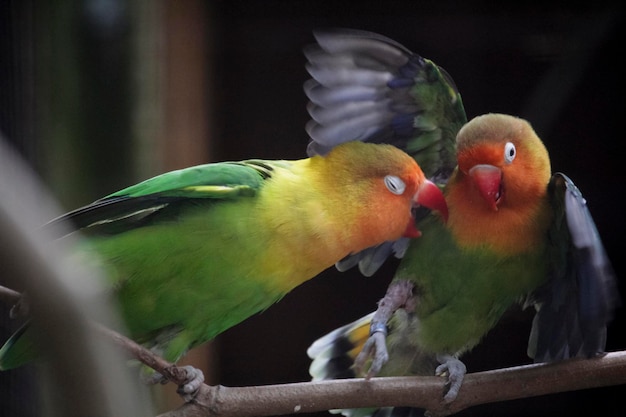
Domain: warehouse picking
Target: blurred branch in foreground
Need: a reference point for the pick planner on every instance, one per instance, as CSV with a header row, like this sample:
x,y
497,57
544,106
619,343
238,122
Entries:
x,y
81,375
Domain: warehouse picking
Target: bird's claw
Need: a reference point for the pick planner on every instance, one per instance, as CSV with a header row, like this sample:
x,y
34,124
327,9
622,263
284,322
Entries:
x,y
195,379
455,371
375,348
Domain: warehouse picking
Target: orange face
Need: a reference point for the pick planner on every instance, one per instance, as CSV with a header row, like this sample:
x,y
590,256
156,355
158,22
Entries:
x,y
503,171
389,184
506,161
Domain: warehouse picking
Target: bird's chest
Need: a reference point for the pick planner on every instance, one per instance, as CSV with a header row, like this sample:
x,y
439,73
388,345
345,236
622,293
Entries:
x,y
460,293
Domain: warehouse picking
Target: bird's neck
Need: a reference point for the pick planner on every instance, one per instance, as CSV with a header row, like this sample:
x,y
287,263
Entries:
x,y
509,230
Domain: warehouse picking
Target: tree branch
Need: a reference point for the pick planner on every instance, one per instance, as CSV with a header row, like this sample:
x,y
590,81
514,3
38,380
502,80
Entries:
x,y
420,392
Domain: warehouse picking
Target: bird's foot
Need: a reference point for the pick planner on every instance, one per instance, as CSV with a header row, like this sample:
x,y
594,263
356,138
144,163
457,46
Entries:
x,y
375,348
455,371
399,295
193,380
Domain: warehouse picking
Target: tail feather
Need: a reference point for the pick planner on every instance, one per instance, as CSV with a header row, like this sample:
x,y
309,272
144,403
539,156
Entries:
x,y
333,354
333,357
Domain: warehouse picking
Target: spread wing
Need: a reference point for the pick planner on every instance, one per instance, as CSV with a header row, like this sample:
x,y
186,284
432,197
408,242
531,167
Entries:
x,y
578,301
367,87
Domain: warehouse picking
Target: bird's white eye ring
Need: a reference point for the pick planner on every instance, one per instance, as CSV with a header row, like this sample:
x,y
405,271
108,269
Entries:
x,y
395,184
509,152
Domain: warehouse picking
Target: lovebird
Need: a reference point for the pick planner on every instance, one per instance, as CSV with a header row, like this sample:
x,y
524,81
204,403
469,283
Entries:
x,y
191,253
516,233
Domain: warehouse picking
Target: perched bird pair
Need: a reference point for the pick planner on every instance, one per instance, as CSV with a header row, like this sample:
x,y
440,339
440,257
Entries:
x,y
190,253
516,233
193,252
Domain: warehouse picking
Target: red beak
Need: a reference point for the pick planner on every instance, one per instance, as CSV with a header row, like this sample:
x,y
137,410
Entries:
x,y
488,179
430,196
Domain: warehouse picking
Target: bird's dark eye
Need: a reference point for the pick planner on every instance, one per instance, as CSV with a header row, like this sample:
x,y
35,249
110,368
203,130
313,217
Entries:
x,y
395,184
509,152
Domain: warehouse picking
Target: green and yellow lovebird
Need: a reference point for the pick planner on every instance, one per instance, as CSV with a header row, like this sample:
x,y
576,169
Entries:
x,y
516,232
193,252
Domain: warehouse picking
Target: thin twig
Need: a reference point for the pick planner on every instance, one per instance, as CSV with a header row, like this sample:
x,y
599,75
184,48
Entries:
x,y
168,370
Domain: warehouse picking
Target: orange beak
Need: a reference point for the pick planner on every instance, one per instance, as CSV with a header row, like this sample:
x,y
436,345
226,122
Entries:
x,y
488,179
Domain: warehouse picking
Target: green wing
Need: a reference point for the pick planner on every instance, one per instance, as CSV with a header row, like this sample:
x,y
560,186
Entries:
x,y
370,88
166,196
158,199
367,87
578,300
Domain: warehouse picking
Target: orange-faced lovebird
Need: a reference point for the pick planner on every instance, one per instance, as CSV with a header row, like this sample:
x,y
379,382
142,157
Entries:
x,y
516,232
191,253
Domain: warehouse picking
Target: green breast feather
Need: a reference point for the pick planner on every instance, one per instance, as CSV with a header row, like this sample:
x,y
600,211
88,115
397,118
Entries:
x,y
463,290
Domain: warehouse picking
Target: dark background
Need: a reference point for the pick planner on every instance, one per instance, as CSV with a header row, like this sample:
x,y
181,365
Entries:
x,y
558,65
